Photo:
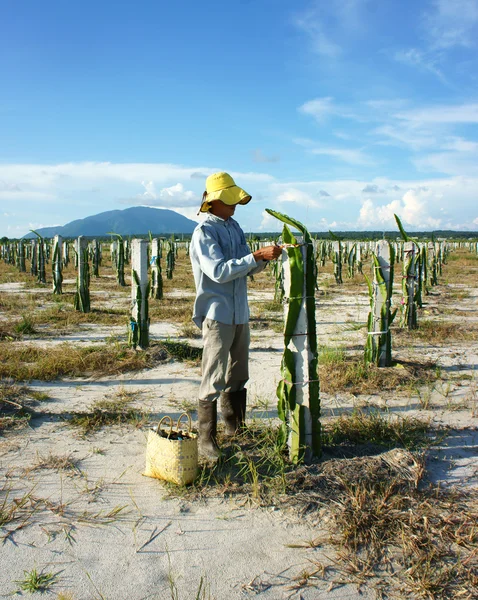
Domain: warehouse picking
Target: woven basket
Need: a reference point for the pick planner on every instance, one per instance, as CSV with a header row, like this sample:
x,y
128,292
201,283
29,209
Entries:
x,y
174,460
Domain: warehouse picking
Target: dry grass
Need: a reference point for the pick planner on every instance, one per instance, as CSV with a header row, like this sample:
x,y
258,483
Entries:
x,y
16,511
376,428
61,463
389,529
27,362
255,463
112,410
16,402
172,309
410,542
338,371
461,267
19,510
437,332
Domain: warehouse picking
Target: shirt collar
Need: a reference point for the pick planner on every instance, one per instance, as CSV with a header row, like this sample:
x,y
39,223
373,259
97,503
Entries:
x,y
216,219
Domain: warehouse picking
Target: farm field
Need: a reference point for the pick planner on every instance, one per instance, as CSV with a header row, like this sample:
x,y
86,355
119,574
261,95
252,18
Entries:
x,y
391,510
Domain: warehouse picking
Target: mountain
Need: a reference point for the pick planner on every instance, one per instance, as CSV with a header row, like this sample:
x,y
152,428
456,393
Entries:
x,y
137,220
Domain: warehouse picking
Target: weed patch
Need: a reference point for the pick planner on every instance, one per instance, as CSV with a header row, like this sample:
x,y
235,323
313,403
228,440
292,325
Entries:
x,y
376,429
181,350
26,326
438,332
108,411
56,462
409,542
341,372
172,309
35,581
387,528
27,362
16,405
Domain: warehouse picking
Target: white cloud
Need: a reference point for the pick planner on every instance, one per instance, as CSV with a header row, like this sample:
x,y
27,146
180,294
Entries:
x,y
321,42
463,164
26,195
459,144
269,223
412,209
352,157
319,108
174,196
446,113
326,22
418,58
372,188
387,105
9,187
452,23
348,155
299,197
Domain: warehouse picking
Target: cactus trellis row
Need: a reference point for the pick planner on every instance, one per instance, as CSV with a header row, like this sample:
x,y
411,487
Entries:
x,y
358,258
33,261
337,258
432,264
66,253
410,288
170,258
21,257
378,347
95,257
276,268
40,258
114,253
140,287
56,264
424,268
351,261
156,271
120,258
82,296
298,391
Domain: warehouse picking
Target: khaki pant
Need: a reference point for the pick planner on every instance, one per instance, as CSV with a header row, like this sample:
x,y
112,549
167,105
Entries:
x,y
225,359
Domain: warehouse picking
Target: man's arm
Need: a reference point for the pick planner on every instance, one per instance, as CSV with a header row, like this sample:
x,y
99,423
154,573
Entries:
x,y
212,261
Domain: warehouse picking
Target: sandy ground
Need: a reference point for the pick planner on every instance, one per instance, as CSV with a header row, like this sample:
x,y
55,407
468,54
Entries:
x,y
240,551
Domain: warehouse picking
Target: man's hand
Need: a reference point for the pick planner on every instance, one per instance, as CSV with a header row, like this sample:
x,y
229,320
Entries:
x,y
268,253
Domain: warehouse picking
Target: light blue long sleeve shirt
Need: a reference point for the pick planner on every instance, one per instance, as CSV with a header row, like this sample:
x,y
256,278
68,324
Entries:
x,y
221,261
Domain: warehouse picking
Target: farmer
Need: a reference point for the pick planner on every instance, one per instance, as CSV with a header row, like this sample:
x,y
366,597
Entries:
x,y
221,261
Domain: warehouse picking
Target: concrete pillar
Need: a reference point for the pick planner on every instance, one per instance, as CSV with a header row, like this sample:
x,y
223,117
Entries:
x,y
139,334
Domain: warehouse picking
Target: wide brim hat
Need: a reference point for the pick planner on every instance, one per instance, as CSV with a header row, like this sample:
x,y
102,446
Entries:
x,y
221,186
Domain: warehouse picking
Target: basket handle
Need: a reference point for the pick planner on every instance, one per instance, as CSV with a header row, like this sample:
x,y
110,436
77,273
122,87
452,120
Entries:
x,y
185,414
170,427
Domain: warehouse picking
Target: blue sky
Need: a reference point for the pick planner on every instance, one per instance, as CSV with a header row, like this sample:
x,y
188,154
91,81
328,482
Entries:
x,y
337,113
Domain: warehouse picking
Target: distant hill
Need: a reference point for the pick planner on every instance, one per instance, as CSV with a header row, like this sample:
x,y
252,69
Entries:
x,y
137,220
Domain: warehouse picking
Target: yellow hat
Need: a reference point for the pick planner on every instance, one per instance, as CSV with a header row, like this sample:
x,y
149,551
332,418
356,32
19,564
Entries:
x,y
221,186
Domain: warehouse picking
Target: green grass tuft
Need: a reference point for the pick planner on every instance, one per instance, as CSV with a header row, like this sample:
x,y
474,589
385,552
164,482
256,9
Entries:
x,y
35,581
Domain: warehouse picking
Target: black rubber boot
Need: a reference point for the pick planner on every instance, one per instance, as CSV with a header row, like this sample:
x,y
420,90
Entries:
x,y
207,418
233,409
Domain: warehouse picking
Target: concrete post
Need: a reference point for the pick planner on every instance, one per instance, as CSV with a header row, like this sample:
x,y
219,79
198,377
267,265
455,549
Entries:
x,y
156,272
303,436
139,334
